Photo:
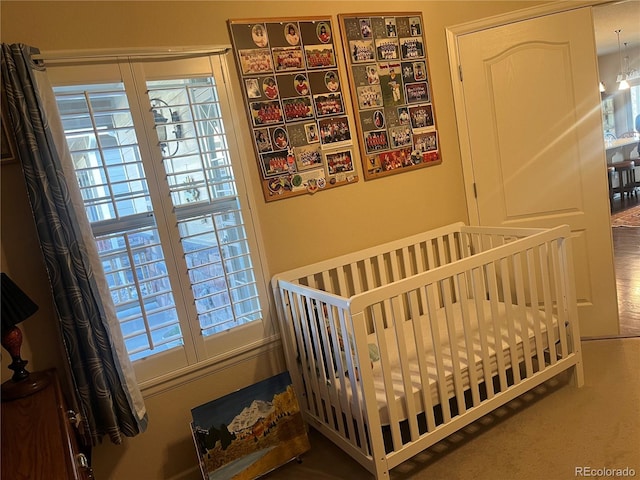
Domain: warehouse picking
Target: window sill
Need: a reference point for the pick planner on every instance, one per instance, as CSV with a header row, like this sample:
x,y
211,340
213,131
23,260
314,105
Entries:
x,y
212,365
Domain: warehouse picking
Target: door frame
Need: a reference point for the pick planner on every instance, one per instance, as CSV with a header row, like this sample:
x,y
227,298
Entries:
x,y
452,34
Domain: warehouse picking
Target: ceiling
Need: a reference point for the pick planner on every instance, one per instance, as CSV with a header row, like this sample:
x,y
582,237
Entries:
x,y
624,16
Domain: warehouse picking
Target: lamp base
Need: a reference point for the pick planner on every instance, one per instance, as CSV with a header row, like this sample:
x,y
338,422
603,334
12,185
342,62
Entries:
x,y
35,382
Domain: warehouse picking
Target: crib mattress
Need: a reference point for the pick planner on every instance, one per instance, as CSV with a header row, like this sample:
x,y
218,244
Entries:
x,y
525,345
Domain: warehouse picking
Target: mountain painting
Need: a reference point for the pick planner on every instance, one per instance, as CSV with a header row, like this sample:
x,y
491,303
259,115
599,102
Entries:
x,y
248,433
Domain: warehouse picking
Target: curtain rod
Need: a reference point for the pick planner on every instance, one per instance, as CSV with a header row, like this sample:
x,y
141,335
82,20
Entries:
x,y
88,55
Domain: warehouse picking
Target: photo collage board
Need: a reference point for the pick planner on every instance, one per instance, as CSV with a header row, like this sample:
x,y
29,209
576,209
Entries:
x,y
390,87
294,99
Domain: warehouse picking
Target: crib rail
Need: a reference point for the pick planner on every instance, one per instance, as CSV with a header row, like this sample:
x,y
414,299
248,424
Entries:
x,y
393,348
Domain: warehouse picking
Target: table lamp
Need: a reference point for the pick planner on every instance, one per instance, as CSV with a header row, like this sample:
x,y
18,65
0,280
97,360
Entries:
x,y
16,307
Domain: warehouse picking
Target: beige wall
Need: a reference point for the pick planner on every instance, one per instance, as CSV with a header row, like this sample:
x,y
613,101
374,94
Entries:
x,y
295,231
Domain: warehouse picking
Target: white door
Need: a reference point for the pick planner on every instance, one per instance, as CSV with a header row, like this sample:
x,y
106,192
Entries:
x,y
533,151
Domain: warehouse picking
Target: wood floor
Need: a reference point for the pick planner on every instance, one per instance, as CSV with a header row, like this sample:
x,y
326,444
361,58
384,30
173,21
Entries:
x,y
626,247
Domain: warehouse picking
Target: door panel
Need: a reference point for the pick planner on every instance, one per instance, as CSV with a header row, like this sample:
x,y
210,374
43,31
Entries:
x,y
514,81
532,115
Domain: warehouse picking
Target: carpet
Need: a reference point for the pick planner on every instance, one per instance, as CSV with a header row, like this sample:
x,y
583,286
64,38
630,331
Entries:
x,y
547,432
626,218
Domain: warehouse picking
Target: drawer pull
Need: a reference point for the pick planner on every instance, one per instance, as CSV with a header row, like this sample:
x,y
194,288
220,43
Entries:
x,y
81,460
74,418
83,464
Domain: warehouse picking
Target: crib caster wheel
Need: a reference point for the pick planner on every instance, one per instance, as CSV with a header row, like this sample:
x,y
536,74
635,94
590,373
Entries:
x,y
298,460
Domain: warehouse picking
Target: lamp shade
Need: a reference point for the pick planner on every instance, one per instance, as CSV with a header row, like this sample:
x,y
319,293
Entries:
x,y
16,305
624,85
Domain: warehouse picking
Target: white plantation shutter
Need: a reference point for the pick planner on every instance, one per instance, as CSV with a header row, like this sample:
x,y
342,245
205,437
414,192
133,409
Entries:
x,y
203,192
157,166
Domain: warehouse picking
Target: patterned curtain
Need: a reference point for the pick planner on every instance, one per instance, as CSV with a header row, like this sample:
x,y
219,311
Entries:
x,y
109,397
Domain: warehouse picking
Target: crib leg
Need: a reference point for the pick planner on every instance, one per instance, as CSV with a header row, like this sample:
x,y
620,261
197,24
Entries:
x,y
577,376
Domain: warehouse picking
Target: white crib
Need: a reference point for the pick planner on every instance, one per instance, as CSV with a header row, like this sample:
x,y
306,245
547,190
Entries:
x,y
393,348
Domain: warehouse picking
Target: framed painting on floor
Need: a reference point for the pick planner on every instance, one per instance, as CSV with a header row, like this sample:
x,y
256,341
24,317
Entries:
x,y
249,432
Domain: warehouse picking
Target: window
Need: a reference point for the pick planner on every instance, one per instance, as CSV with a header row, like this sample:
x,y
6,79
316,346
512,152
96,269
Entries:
x,y
635,103
156,165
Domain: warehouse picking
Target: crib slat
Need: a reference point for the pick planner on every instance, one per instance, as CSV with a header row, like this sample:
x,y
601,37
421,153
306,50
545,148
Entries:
x,y
394,421
422,263
310,280
548,302
442,252
561,298
395,267
455,253
375,311
443,395
495,316
456,246
326,358
368,272
415,315
465,244
486,241
423,366
331,349
461,283
532,257
339,399
508,307
382,270
307,353
458,386
492,240
431,260
409,271
479,293
444,244
521,314
332,356
319,362
497,240
341,330
355,277
343,282
292,335
353,412
326,281
476,242
567,276
367,406
298,320
325,340
448,255
370,284
405,253
398,320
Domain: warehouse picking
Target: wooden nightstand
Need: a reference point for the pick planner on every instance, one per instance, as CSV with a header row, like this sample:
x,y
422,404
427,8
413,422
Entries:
x,y
38,439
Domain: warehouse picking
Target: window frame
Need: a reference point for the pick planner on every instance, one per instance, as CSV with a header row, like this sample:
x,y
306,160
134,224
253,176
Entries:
x,y
134,71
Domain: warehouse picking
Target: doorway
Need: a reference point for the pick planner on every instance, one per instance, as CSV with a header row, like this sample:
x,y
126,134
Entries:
x,y
626,253
623,106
